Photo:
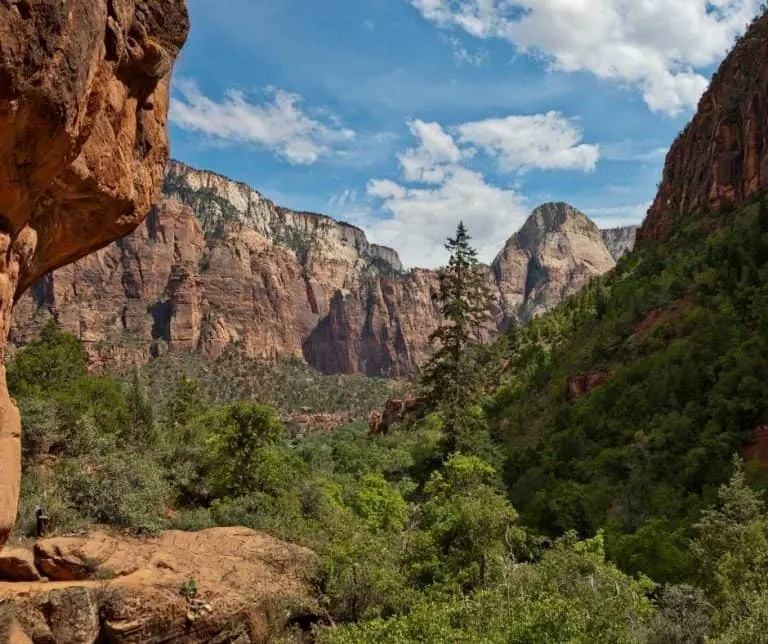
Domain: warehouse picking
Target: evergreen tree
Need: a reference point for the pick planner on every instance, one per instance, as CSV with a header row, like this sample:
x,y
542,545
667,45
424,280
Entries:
x,y
143,429
451,378
187,402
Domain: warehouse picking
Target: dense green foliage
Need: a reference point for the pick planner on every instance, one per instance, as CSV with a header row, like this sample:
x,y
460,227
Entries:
x,y
399,533
577,509
676,338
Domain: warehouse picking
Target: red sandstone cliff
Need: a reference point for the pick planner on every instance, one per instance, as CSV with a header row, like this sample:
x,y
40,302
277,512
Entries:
x,y
721,157
227,266
83,144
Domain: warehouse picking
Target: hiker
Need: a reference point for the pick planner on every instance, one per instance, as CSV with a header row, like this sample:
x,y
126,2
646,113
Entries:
x,y
41,522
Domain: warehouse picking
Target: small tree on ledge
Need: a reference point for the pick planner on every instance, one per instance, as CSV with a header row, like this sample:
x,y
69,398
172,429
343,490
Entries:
x,y
452,379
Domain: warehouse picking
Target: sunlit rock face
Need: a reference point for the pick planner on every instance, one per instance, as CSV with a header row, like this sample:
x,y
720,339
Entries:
x,y
83,146
217,264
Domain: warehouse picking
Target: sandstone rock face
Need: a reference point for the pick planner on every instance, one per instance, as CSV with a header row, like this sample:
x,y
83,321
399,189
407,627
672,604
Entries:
x,y
18,564
83,144
555,254
380,327
15,635
132,592
216,263
619,241
73,616
73,558
721,158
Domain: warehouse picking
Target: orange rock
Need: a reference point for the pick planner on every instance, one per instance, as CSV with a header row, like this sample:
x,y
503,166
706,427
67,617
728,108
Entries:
x,y
243,581
18,564
83,144
17,636
72,558
721,158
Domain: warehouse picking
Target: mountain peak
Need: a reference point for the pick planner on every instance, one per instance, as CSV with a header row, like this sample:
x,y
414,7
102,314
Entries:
x,y
554,217
556,253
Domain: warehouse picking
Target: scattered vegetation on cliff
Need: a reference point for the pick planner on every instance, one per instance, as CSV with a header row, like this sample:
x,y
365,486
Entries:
x,y
290,386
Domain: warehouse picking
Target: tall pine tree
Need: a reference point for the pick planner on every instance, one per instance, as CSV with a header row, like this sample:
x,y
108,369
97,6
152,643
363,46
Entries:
x,y
452,380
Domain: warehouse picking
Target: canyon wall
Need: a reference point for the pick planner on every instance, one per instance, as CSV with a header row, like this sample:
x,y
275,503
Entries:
x,y
83,146
721,158
217,264
619,241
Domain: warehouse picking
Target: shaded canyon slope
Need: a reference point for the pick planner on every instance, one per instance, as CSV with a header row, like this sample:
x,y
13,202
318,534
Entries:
x,y
217,264
83,145
662,380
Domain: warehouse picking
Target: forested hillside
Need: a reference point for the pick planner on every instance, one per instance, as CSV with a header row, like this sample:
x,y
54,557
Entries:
x,y
628,403
594,476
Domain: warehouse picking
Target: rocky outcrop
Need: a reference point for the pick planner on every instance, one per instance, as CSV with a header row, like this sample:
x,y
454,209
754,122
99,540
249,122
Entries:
x,y
216,264
18,564
619,241
379,327
721,158
555,254
83,144
396,410
228,583
581,385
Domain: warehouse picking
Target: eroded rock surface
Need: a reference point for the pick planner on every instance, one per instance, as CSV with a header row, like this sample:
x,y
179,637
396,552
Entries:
x,y
83,145
18,564
721,157
217,264
555,254
187,587
619,241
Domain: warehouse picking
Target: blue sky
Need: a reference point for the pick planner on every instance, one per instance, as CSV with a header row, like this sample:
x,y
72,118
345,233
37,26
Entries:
x,y
403,116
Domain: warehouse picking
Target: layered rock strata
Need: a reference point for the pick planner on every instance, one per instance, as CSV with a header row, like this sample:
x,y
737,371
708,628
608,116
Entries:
x,y
217,264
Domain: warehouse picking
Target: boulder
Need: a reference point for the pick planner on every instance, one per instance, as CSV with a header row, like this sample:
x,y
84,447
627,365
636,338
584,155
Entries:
x,y
73,558
73,616
217,585
18,564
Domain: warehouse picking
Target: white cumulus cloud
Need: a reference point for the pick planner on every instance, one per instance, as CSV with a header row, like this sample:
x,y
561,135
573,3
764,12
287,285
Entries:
x,y
655,45
436,152
278,124
438,187
546,141
422,217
